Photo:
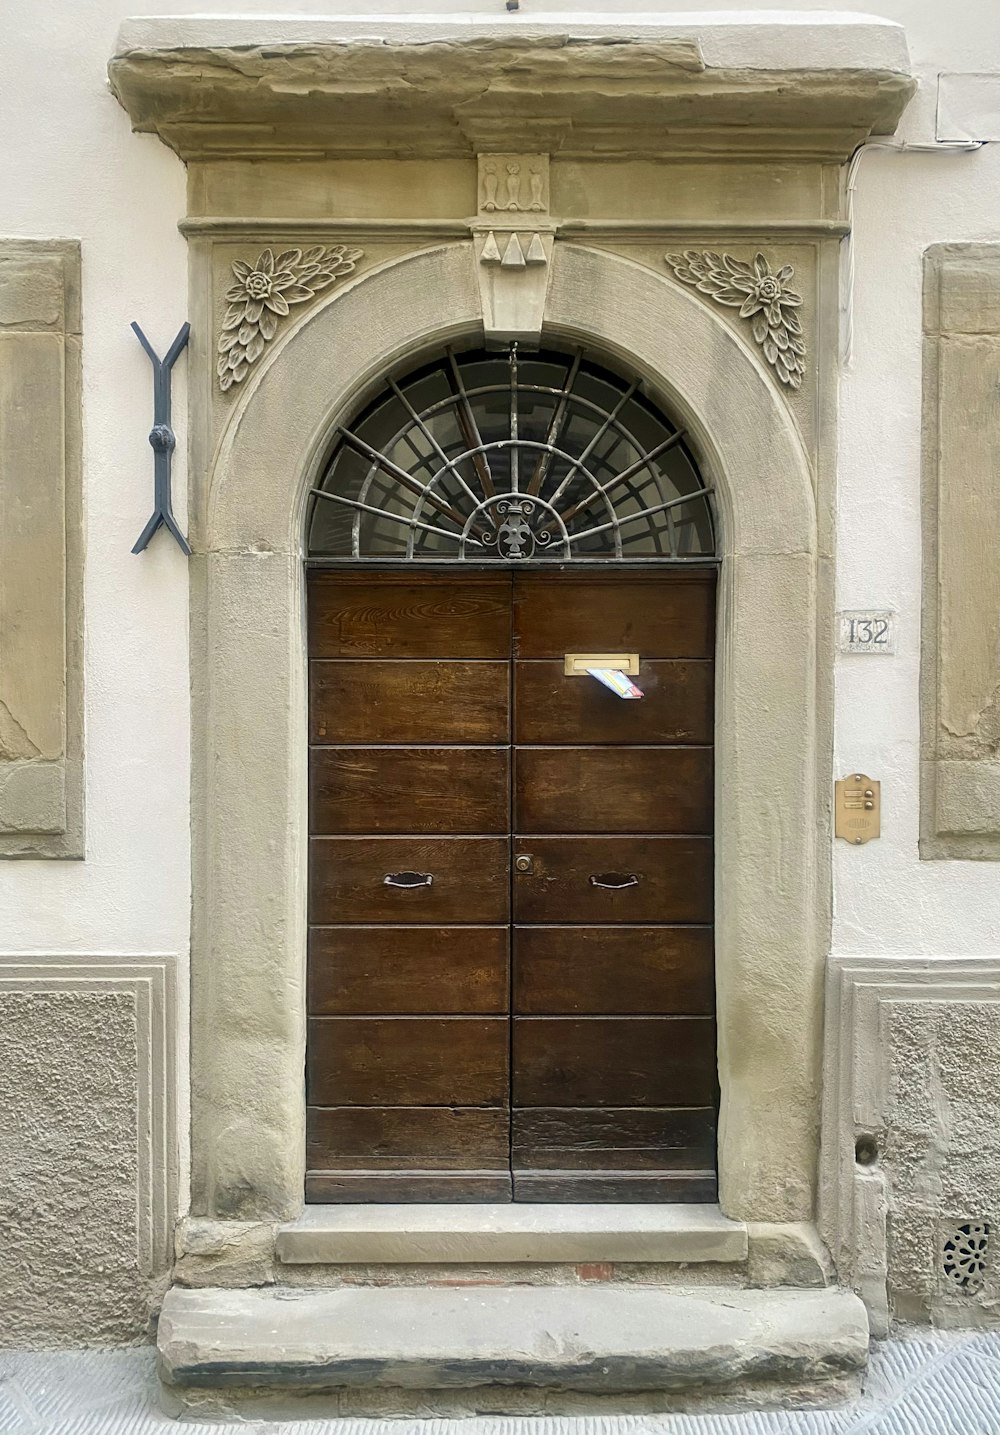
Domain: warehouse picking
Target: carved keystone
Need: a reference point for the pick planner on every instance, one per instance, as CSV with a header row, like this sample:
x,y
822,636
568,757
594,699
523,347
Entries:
x,y
512,270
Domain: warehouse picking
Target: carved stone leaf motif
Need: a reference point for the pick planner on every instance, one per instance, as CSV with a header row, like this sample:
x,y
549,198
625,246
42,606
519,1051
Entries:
x,y
262,297
761,296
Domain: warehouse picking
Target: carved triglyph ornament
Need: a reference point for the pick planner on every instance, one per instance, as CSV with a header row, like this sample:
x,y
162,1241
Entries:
x,y
263,294
762,297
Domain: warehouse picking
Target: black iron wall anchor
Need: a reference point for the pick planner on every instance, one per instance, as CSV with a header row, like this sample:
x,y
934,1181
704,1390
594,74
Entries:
x,y
161,437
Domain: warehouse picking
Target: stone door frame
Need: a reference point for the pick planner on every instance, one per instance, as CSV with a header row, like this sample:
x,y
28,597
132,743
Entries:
x,y
773,695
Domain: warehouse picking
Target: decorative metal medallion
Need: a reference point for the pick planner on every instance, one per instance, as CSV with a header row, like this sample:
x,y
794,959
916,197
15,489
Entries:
x,y
263,295
761,296
964,1252
486,456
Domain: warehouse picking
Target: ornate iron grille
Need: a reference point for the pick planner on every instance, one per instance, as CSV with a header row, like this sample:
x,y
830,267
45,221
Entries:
x,y
512,457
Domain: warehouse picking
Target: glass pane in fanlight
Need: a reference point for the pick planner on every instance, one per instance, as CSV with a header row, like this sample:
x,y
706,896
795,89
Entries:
x,y
486,462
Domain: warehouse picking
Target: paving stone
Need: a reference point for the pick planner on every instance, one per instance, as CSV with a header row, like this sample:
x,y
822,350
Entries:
x,y
934,1383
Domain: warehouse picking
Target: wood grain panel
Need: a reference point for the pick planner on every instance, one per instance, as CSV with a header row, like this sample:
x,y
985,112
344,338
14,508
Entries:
x,y
379,702
409,789
657,1139
596,1186
402,1061
430,1138
611,970
675,880
470,880
409,1045
417,970
613,789
665,615
330,1187
408,615
614,1061
677,706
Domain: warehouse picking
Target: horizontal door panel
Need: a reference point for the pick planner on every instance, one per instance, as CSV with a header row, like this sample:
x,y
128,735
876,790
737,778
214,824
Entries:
x,y
401,1138
635,879
468,880
613,789
677,705
665,615
461,615
581,1139
609,970
399,1061
418,970
388,1187
613,1061
588,1187
409,789
379,702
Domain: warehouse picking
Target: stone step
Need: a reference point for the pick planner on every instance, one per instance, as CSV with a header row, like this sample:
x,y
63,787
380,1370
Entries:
x,y
512,1232
784,1346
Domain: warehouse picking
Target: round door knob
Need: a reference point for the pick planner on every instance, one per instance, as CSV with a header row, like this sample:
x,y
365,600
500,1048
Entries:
x,y
523,863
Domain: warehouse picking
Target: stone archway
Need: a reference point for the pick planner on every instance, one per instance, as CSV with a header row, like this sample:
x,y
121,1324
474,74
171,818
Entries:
x,y
249,806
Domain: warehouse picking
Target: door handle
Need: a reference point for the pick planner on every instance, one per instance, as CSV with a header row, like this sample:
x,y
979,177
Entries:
x,y
407,879
614,880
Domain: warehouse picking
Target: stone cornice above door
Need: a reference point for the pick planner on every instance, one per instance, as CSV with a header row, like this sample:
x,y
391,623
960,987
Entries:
x,y
809,85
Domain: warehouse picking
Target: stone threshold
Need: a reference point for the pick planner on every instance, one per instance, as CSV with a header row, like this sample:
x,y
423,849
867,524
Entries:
x,y
396,1343
505,1233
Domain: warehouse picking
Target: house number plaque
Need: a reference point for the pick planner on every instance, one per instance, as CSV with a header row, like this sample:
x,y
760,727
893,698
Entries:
x,y
858,808
868,630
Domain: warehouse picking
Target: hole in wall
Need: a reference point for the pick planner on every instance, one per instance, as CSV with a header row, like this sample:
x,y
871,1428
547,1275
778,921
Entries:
x,y
866,1150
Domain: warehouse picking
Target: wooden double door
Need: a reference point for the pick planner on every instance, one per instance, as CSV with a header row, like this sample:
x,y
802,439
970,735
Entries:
x,y
511,976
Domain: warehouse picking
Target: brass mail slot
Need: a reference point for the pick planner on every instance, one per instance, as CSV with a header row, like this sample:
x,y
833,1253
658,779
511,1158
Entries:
x,y
575,665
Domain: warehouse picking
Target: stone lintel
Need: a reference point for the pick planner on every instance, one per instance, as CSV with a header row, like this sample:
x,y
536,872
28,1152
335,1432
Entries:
x,y
240,87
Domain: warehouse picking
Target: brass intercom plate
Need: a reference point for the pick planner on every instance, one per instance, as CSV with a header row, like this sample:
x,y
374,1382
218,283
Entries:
x,y
858,808
575,665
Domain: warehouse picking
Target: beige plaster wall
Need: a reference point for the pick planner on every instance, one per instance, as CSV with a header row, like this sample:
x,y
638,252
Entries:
x,y
71,167
90,1090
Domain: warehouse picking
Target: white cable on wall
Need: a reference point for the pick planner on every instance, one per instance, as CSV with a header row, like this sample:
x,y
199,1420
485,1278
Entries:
x,y
847,250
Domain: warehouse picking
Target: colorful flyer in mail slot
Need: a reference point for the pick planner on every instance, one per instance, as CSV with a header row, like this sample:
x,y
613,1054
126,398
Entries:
x,y
617,681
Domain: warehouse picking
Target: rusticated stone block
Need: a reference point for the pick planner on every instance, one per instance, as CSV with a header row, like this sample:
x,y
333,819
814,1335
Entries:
x,y
86,1133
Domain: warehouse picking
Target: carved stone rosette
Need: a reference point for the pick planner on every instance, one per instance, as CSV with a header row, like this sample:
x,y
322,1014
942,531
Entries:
x,y
762,297
262,297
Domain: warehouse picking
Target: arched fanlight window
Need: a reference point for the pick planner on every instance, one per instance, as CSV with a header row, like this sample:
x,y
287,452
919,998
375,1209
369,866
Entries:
x,y
485,455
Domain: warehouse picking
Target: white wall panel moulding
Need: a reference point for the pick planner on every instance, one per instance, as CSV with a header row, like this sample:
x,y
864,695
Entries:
x,y
41,550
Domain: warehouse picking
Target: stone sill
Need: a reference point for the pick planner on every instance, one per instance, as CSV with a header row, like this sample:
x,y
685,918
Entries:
x,y
498,1234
